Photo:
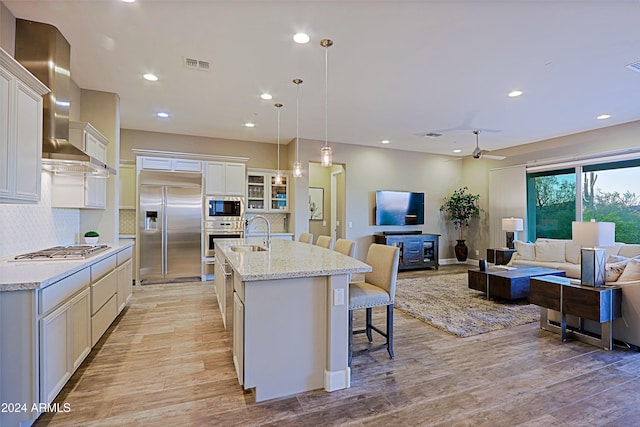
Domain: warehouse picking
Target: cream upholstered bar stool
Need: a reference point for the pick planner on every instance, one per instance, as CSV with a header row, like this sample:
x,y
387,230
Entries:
x,y
306,238
345,247
377,290
325,242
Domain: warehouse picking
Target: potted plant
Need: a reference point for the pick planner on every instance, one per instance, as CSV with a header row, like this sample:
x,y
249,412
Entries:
x,y
459,208
91,237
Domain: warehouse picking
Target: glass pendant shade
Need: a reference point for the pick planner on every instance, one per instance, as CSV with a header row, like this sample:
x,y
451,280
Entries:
x,y
326,157
297,166
278,178
297,170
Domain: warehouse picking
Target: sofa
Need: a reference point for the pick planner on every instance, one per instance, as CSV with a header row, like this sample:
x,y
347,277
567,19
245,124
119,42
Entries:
x,y
622,269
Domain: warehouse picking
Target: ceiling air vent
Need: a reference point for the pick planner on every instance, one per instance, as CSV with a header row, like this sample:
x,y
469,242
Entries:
x,y
634,66
432,135
196,64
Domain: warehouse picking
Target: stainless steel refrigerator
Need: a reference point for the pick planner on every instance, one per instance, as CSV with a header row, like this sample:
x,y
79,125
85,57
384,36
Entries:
x,y
170,221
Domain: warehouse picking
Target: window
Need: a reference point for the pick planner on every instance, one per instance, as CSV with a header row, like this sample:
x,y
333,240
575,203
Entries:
x,y
606,192
551,203
610,193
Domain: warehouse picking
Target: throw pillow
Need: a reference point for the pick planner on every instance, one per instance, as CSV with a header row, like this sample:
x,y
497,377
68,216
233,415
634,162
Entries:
x,y
550,251
614,267
631,271
572,252
613,250
612,259
525,250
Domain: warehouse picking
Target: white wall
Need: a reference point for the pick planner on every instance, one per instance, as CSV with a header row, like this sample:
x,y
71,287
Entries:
x,y
369,169
29,227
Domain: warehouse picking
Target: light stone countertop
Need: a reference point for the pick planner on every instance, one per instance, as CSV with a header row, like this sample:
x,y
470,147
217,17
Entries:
x,y
286,259
30,275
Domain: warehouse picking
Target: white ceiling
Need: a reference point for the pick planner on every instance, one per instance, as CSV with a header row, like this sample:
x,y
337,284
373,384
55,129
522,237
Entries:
x,y
397,69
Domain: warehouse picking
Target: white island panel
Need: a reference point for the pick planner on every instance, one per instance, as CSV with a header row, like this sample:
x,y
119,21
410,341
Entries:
x,y
294,324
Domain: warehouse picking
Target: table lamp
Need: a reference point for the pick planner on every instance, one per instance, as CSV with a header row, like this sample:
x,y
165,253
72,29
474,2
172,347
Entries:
x,y
592,236
512,226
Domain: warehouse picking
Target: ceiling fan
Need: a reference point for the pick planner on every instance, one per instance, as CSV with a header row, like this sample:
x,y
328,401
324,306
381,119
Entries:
x,y
481,154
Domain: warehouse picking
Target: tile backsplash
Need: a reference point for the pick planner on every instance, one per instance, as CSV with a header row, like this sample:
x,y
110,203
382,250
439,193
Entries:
x,y
278,221
29,227
127,221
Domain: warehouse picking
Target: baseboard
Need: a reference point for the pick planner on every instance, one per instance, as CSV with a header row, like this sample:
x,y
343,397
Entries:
x,y
451,261
337,380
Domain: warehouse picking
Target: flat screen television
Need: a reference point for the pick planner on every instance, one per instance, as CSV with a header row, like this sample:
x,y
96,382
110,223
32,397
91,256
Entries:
x,y
399,208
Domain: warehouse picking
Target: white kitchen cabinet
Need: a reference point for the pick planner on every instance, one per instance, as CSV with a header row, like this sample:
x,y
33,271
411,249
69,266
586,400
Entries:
x,y
218,281
55,354
125,277
46,333
65,334
20,132
225,179
104,301
80,311
264,195
169,164
82,191
127,176
238,336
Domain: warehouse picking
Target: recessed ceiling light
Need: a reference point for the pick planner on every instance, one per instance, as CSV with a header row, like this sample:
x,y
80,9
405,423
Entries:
x,y
385,141
603,116
162,115
249,125
301,38
266,96
457,150
128,1
515,93
150,77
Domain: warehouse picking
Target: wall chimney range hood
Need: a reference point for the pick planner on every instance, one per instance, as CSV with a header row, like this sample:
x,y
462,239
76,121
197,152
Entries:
x,y
44,51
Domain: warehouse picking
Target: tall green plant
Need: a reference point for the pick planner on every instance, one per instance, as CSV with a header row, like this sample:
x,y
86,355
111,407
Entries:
x,y
460,207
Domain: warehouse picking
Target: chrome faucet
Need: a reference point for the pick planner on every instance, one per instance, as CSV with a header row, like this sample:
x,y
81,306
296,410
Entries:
x,y
267,241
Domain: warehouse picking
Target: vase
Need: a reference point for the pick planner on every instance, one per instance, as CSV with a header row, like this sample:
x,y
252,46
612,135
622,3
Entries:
x,y
462,251
91,240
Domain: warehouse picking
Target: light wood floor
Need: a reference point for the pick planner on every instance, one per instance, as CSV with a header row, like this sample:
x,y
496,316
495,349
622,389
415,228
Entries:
x,y
167,361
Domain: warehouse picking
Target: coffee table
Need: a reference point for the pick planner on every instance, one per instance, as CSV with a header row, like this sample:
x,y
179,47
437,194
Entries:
x,y
507,284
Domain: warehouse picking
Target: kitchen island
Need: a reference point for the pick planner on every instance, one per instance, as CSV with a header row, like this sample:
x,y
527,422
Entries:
x,y
290,315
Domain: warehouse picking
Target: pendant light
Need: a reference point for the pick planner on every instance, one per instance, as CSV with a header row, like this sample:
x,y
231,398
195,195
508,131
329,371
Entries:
x,y
326,152
278,179
297,166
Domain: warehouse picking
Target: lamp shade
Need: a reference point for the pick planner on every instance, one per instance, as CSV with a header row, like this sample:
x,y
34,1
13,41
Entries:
x,y
593,234
512,224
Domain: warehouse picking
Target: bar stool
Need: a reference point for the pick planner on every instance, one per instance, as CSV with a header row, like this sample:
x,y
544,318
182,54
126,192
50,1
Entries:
x,y
345,247
325,242
377,290
306,238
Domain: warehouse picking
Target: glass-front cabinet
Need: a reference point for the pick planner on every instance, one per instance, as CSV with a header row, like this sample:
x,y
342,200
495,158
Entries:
x,y
256,192
264,195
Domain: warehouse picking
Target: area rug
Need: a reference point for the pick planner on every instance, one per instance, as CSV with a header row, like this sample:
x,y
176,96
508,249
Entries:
x,y
445,302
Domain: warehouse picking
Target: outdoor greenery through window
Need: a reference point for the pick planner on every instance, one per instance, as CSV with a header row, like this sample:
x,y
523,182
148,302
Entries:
x,y
611,193
608,192
551,203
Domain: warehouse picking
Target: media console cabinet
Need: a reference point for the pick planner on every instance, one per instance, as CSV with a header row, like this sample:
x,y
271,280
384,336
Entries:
x,y
416,250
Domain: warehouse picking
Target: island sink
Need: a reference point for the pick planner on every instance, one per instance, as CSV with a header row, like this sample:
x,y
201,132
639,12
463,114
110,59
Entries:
x,y
248,248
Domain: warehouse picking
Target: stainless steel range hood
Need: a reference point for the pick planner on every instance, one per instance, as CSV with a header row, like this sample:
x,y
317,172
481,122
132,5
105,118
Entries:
x,y
44,51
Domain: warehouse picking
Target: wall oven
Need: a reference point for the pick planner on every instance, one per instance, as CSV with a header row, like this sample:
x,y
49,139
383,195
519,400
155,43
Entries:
x,y
221,229
224,207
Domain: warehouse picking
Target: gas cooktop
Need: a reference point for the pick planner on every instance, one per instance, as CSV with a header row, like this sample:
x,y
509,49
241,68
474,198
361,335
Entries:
x,y
62,253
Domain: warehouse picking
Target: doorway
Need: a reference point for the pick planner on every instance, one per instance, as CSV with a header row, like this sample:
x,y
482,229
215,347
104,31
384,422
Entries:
x,y
327,190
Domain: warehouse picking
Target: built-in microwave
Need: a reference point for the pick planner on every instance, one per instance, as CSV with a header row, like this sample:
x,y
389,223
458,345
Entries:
x,y
217,207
